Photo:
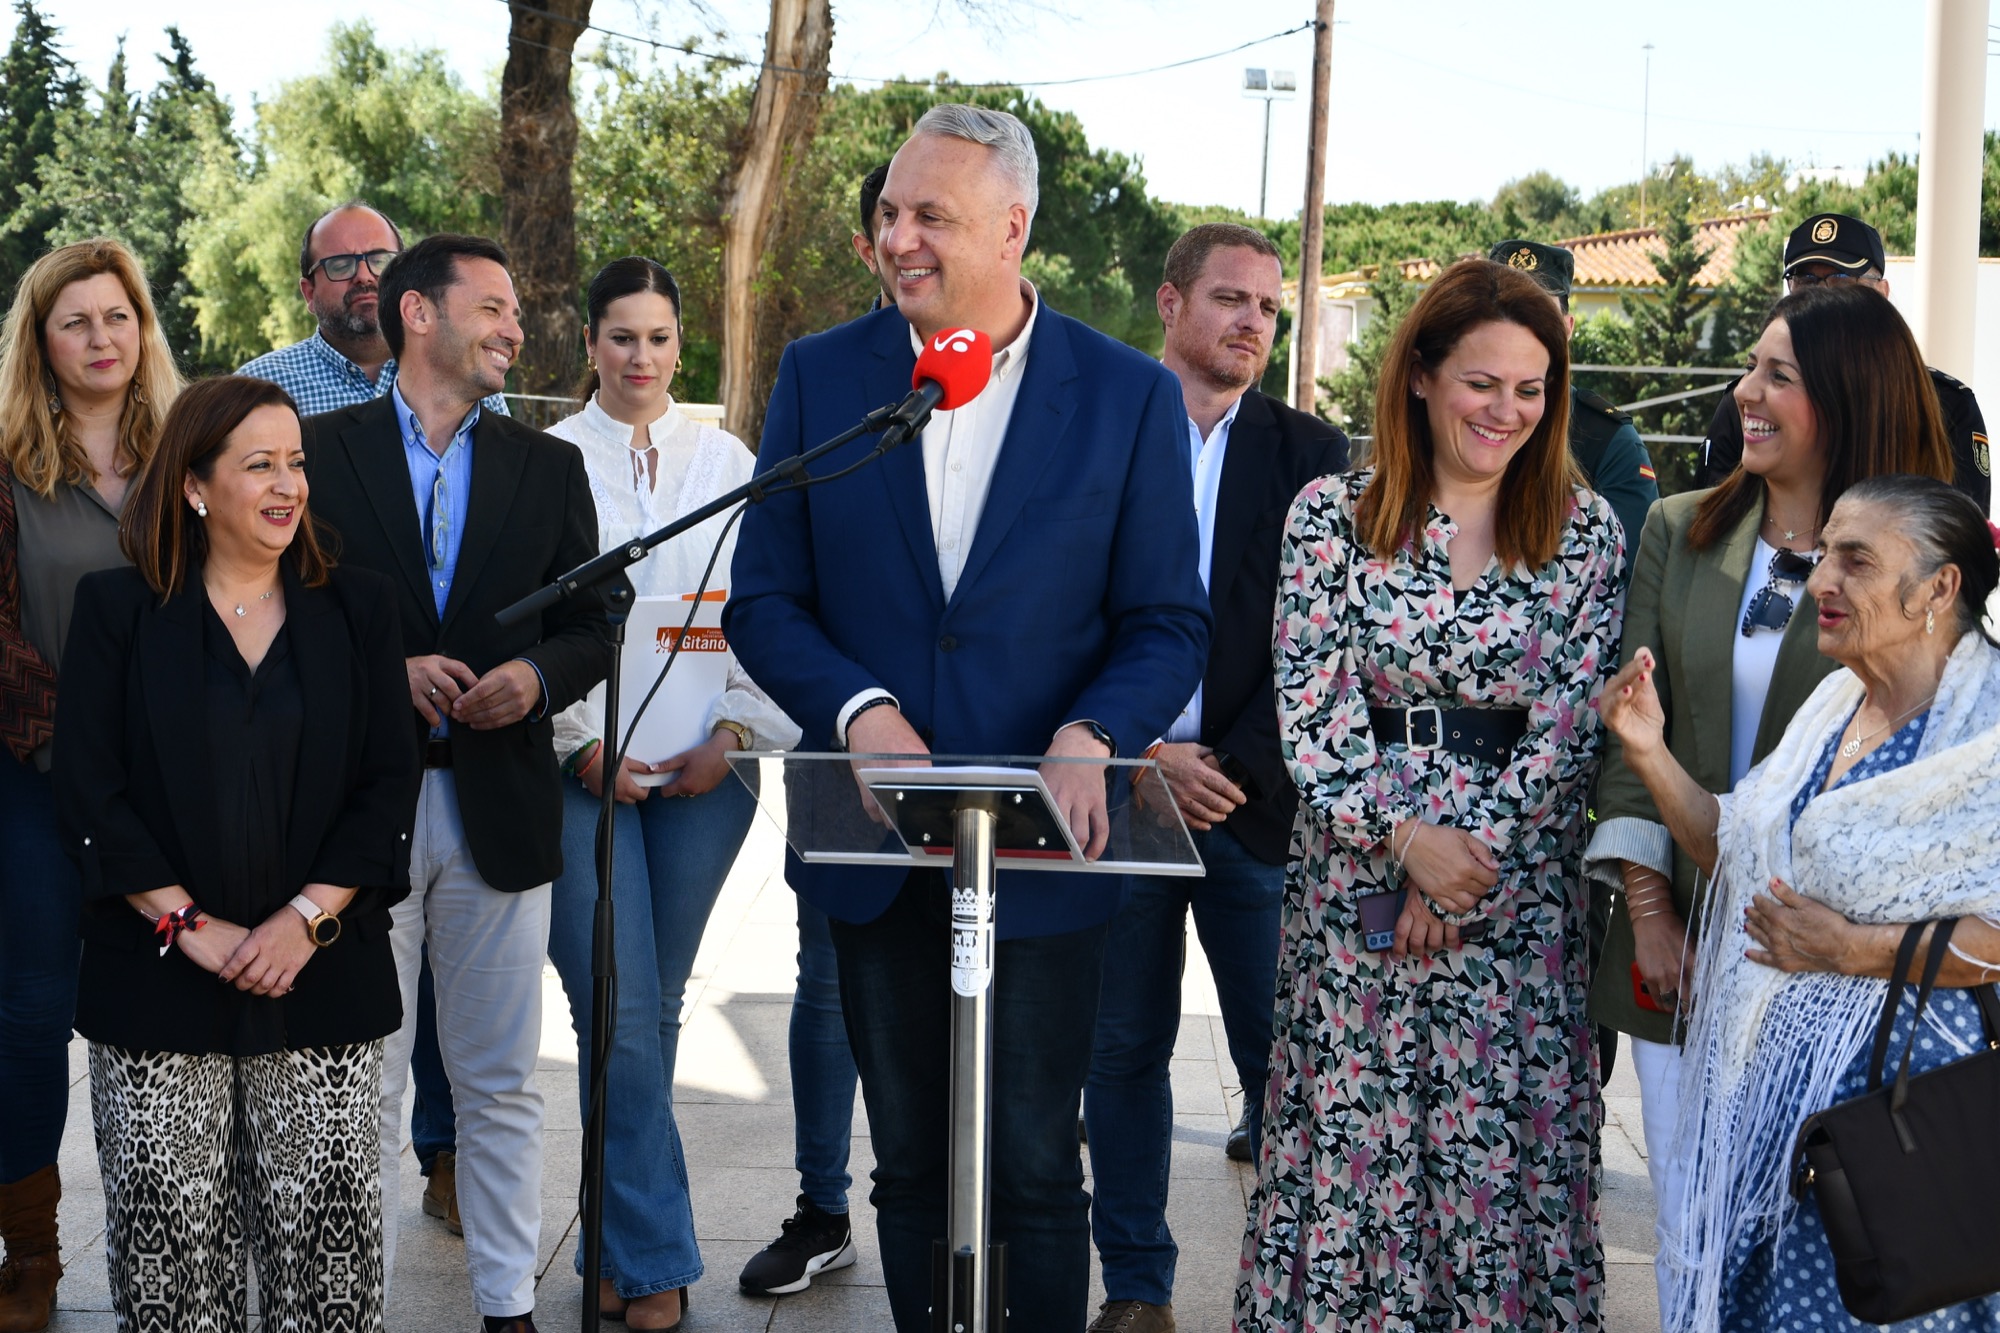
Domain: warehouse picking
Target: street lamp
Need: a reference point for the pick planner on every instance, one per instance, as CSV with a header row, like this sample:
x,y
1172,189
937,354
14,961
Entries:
x,y
1269,85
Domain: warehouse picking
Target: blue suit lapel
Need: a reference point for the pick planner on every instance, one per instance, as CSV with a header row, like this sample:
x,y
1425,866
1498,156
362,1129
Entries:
x,y
1042,412
886,380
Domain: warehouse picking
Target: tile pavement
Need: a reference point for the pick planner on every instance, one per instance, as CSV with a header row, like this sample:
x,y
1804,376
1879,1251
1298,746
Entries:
x,y
733,1099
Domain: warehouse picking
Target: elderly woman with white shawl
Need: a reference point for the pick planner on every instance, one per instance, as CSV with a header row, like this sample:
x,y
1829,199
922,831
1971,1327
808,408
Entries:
x,y
1874,811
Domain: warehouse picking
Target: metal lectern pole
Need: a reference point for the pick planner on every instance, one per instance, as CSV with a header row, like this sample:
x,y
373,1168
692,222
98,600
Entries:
x,y
975,1290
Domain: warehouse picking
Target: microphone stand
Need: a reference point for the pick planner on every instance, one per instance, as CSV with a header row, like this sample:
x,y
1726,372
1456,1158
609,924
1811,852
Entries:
x,y
898,426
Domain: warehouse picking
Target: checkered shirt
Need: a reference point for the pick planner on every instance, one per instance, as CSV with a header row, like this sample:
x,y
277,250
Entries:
x,y
320,379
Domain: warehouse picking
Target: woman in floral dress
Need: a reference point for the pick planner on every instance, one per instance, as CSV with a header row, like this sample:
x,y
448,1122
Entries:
x,y
1431,1158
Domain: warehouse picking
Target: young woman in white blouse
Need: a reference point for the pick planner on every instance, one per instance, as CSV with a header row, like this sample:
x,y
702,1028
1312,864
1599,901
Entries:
x,y
649,463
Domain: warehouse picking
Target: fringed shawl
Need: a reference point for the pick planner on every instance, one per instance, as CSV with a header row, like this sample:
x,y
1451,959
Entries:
x,y
1767,1048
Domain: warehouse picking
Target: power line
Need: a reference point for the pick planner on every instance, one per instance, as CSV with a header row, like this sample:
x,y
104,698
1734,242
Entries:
x,y
741,62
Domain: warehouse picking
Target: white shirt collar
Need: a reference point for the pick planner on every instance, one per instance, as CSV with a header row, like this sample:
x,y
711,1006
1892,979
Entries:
x,y
1009,359
606,426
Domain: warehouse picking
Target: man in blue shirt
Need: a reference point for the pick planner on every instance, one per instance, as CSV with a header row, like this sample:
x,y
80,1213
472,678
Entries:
x,y
346,361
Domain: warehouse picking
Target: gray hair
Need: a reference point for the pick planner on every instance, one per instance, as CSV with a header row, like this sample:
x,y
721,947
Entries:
x,y
1947,528
1013,147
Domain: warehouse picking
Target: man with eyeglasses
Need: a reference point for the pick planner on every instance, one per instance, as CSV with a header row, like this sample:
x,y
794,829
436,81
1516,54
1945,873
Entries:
x,y
345,362
1833,247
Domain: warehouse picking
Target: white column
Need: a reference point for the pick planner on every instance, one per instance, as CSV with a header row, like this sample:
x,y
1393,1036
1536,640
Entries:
x,y
1949,161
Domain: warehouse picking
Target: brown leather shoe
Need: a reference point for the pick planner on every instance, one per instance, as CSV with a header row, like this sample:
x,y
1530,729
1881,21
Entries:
x,y
33,1266
1132,1317
441,1192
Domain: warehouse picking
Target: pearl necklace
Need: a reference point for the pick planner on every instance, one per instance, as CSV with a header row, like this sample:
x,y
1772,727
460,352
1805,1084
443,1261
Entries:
x,y
1853,747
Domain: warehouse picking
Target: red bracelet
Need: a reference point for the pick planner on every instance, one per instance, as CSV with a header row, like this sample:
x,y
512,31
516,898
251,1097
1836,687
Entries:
x,y
171,924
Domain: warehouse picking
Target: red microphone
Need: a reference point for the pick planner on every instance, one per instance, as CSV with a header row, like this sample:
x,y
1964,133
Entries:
x,y
951,371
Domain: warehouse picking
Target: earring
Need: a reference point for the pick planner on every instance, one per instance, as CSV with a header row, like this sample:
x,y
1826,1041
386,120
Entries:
x,y
1930,622
201,508
138,393
55,399
590,364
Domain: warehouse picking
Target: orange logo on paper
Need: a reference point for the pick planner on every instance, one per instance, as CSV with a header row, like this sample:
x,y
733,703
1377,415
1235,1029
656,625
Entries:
x,y
697,641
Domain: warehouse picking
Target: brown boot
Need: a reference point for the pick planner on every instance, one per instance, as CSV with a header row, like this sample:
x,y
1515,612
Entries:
x,y
28,1277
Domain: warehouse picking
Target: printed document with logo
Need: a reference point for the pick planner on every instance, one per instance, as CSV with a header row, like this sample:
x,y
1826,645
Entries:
x,y
676,719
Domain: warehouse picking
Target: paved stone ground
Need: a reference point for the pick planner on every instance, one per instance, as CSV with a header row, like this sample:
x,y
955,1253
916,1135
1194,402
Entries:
x,y
734,1103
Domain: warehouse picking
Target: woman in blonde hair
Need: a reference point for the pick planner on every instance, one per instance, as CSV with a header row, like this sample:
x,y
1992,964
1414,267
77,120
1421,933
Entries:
x,y
85,382
1445,621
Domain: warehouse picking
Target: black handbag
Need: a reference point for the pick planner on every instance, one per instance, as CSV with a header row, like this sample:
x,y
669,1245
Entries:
x,y
1907,1176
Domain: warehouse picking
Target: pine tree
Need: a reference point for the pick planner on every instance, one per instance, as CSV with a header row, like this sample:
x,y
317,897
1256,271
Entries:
x,y
37,84
123,169
1671,329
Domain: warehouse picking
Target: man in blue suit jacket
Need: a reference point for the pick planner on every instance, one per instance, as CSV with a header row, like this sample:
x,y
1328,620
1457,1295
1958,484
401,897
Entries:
x,y
1026,582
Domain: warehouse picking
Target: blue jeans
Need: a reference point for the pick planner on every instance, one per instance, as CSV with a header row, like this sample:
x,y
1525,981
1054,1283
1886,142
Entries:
x,y
433,1123
40,899
822,1070
672,855
895,977
1128,1104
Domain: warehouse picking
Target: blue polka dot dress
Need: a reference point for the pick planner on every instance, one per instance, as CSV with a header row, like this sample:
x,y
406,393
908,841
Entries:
x,y
1785,1283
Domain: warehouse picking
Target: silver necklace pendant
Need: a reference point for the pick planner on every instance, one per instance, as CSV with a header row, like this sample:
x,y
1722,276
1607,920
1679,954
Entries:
x,y
1852,748
241,610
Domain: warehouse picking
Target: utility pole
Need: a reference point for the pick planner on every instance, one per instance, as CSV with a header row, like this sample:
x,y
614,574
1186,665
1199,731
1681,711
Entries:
x,y
1264,175
1645,128
1312,223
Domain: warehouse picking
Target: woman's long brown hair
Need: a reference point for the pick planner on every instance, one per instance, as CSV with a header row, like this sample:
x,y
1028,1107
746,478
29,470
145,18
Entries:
x,y
1536,492
1870,390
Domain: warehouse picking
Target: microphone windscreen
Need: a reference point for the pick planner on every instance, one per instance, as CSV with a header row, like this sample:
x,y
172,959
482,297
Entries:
x,y
959,361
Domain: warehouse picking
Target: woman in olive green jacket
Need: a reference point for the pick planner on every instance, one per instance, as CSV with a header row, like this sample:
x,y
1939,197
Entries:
x,y
1836,391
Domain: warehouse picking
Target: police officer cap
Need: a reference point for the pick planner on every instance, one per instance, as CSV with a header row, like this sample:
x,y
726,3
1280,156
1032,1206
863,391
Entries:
x,y
1550,265
1849,244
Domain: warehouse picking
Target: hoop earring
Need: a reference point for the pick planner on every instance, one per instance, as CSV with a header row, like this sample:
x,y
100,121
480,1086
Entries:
x,y
201,509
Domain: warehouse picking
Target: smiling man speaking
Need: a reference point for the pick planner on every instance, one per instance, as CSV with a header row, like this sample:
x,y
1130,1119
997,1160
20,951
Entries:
x,y
1026,581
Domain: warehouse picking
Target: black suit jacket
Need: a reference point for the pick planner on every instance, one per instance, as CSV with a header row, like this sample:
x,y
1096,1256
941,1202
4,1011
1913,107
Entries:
x,y
530,518
135,808
1273,452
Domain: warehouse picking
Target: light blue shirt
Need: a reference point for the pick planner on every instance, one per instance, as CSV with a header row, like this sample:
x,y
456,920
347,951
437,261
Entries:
x,y
1205,457
441,483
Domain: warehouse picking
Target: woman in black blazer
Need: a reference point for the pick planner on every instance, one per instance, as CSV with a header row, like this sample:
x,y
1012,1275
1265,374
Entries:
x,y
234,778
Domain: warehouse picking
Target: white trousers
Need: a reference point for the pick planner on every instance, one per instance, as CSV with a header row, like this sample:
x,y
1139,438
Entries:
x,y
486,951
1659,1071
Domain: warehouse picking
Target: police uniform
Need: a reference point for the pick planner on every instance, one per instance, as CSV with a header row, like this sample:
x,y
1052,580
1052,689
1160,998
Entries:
x,y
1851,245
1602,440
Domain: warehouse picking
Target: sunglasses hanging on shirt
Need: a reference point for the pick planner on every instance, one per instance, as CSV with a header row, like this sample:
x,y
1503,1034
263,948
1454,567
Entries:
x,y
1771,608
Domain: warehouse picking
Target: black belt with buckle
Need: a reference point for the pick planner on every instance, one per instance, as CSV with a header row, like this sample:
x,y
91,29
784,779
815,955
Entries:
x,y
437,752
1476,733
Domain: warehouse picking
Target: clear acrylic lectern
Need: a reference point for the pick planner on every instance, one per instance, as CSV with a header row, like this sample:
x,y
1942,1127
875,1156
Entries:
x,y
973,815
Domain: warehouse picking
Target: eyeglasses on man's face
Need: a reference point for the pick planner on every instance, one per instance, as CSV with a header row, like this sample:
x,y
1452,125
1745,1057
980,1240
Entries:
x,y
1803,279
343,267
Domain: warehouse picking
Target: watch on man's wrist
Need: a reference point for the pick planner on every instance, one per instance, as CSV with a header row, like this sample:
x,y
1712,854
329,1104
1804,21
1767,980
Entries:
x,y
322,927
1101,736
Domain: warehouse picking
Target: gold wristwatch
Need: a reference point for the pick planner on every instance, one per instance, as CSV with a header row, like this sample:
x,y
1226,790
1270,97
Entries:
x,y
742,732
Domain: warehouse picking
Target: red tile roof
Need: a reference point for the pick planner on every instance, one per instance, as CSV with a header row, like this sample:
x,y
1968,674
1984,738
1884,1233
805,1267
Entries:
x,y
1618,258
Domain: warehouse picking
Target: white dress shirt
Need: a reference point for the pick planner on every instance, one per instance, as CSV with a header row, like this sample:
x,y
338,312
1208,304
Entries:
x,y
961,449
1206,456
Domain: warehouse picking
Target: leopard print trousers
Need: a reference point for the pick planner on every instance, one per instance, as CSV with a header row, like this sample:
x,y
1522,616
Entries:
x,y
201,1152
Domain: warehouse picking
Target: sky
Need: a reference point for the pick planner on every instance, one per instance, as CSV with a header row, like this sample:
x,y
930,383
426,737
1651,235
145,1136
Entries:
x,y
1430,98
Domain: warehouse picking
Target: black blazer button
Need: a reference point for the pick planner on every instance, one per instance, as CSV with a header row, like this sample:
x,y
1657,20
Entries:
x,y
949,643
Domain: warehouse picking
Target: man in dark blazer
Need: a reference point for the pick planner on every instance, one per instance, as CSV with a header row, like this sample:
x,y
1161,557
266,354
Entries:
x,y
466,511
1021,582
1248,455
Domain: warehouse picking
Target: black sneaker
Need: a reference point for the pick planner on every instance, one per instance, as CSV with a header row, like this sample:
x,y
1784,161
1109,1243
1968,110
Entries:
x,y
1237,1147
812,1242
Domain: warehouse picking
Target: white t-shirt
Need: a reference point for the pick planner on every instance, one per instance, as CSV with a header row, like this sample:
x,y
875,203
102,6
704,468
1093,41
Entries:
x,y
1755,658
